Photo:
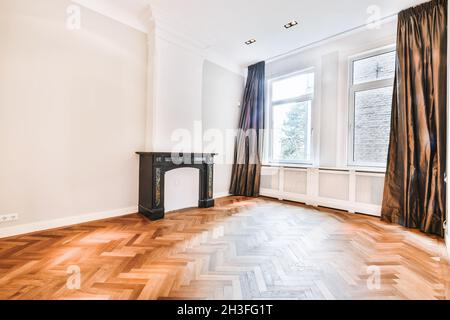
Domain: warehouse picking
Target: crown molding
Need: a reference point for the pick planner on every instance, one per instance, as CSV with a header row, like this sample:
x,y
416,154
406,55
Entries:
x,y
152,20
167,33
196,47
225,63
159,25
113,11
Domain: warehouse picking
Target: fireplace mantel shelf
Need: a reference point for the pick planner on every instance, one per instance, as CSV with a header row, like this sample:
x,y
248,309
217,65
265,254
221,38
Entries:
x,y
173,153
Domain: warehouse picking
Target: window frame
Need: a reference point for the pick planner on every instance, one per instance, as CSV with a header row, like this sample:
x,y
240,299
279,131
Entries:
x,y
270,109
355,88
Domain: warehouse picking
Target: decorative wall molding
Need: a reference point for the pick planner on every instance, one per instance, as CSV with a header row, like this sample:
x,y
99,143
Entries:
x,y
64,222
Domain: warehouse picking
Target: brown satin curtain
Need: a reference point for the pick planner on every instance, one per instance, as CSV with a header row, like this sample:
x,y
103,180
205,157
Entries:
x,y
246,175
415,190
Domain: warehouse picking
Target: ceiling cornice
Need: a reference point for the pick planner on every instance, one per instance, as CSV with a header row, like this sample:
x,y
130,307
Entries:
x,y
150,19
164,28
199,48
108,9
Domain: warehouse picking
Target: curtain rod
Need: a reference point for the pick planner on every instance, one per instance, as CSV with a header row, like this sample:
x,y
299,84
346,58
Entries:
x,y
315,43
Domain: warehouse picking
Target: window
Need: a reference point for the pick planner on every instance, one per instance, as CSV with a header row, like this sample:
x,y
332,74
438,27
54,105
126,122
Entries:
x,y
290,107
371,90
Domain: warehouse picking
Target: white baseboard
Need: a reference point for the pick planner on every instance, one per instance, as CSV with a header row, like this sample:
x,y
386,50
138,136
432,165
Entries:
x,y
64,222
447,243
221,195
70,221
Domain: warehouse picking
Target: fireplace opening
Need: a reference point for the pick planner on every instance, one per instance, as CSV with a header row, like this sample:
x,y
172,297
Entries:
x,y
182,189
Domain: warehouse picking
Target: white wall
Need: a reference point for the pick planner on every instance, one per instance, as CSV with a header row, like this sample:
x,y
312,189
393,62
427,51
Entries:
x,y
222,95
330,61
177,97
72,113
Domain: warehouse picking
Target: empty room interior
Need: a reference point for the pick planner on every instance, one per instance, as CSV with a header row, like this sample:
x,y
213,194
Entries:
x,y
223,150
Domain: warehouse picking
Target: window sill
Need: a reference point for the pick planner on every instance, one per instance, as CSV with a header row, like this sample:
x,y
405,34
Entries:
x,y
288,165
367,169
343,169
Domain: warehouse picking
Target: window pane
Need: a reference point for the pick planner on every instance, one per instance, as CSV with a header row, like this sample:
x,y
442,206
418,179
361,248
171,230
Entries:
x,y
292,87
292,132
380,67
372,125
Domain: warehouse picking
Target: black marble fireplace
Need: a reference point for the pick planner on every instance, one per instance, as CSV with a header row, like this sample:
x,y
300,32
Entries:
x,y
153,167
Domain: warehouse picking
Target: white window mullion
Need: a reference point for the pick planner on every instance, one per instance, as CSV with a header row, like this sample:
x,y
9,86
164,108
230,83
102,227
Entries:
x,y
371,91
291,95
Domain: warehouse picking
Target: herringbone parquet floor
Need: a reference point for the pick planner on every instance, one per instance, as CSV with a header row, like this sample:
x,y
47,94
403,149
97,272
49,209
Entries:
x,y
242,249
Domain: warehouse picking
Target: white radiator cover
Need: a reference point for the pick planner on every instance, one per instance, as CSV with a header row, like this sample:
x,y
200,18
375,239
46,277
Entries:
x,y
349,190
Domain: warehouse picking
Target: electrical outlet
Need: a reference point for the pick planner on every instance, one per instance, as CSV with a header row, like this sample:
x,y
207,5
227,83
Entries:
x,y
9,217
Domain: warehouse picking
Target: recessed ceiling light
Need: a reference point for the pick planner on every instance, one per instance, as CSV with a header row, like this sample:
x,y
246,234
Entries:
x,y
249,42
291,24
